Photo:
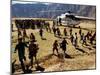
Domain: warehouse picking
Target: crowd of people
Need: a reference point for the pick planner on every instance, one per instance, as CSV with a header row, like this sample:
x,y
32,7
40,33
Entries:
x,y
30,23
33,47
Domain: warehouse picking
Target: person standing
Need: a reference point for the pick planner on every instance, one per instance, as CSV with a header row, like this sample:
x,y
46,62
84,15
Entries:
x,y
32,37
63,45
65,32
60,21
82,36
55,46
33,49
76,40
21,52
72,39
80,32
58,32
84,40
54,30
49,27
41,33
24,35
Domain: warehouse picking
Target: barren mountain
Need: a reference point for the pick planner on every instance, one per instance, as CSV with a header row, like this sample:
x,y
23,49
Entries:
x,y
52,10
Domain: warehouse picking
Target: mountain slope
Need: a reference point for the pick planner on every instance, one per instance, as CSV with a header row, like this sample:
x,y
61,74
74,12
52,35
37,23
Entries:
x,y
53,10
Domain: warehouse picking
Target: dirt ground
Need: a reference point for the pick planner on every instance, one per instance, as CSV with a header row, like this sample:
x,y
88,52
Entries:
x,y
77,59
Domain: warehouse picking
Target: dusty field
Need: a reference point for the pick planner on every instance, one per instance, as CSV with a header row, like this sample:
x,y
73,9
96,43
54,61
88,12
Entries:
x,y
79,59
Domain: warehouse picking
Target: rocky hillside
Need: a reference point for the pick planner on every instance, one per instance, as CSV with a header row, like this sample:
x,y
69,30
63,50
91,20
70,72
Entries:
x,y
52,10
